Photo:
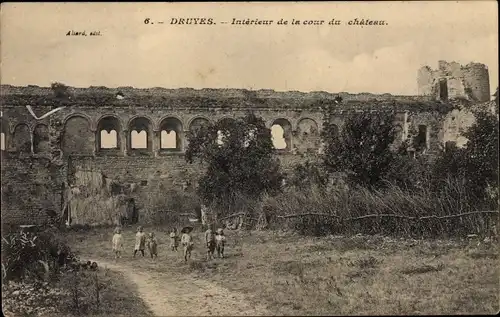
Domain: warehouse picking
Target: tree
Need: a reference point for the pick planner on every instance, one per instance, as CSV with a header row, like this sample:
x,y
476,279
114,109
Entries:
x,y
307,174
239,159
481,154
407,172
363,148
476,164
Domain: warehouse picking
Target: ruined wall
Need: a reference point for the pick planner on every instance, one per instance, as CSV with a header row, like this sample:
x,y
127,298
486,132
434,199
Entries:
x,y
452,80
31,188
72,136
477,81
458,120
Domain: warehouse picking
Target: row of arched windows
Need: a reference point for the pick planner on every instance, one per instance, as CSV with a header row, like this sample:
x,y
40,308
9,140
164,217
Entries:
x,y
23,139
110,136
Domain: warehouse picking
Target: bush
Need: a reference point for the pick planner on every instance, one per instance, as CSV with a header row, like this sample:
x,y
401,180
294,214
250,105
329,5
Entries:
x,y
36,255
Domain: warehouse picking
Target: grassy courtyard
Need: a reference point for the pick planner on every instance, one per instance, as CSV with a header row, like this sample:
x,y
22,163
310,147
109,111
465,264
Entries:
x,y
294,275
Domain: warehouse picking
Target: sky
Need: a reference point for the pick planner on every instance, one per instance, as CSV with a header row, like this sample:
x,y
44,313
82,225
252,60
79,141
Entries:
x,y
378,59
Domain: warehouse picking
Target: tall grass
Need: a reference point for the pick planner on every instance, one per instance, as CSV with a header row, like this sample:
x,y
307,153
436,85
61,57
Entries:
x,y
390,211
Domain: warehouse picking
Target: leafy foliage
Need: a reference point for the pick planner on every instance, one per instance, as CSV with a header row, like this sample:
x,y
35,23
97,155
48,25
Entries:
x,y
307,174
480,155
362,149
239,158
32,254
408,173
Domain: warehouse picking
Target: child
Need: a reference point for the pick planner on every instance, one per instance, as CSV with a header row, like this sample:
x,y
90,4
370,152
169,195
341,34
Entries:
x,y
220,241
187,243
174,239
153,245
140,241
210,241
117,242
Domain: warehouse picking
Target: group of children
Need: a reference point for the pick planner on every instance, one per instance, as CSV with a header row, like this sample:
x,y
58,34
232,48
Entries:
x,y
142,241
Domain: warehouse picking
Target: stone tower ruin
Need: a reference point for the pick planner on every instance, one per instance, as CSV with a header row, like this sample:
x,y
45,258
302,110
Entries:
x,y
452,80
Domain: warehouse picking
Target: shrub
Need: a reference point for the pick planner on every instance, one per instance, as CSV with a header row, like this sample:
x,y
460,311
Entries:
x,y
239,158
33,254
363,149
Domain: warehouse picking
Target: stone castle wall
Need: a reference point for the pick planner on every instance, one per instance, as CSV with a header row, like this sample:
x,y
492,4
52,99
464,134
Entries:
x,y
66,145
452,80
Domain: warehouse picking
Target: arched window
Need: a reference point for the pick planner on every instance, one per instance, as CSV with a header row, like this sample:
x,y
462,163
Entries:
x,y
198,123
140,131
4,128
108,138
421,140
22,138
78,139
3,143
281,132
308,135
171,132
41,139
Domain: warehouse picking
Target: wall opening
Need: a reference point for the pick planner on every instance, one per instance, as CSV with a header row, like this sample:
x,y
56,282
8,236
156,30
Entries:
x,y
2,141
108,138
140,136
281,134
278,137
3,136
41,139
171,132
168,139
22,138
421,139
220,137
138,140
443,89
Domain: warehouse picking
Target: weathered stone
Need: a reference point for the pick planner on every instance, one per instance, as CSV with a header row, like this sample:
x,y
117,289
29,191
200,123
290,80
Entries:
x,y
44,159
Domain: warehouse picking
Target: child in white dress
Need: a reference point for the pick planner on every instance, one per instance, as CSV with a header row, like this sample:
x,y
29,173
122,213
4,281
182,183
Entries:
x,y
117,243
140,241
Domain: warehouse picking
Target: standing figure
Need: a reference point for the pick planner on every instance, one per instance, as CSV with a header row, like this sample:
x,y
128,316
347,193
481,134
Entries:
x,y
210,242
152,245
174,239
140,241
117,243
187,243
220,241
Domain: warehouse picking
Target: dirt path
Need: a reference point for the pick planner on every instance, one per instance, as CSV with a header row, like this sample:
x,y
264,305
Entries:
x,y
169,296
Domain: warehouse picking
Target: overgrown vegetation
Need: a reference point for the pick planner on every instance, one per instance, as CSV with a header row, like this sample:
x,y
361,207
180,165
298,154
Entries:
x,y
41,275
239,158
392,192
365,182
362,149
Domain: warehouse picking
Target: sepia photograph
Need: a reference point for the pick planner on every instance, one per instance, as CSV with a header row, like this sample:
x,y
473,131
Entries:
x,y
249,158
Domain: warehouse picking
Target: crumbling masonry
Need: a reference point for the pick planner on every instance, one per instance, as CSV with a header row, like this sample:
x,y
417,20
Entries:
x,y
44,160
